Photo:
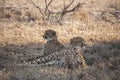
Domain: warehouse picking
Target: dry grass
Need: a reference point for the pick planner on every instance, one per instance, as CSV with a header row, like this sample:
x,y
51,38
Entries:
x,y
21,38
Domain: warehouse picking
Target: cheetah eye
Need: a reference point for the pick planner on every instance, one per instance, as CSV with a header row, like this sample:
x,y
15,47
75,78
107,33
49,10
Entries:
x,y
54,33
47,34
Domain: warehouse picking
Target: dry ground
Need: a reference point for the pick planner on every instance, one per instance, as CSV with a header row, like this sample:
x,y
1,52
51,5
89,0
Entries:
x,y
21,30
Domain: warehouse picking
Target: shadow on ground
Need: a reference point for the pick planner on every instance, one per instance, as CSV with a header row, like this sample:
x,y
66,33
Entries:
x,y
103,60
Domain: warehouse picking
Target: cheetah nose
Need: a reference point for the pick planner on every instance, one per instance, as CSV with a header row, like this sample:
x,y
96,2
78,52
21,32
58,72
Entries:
x,y
43,36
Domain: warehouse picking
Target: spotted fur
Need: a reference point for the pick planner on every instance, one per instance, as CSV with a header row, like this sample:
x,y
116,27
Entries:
x,y
56,54
65,58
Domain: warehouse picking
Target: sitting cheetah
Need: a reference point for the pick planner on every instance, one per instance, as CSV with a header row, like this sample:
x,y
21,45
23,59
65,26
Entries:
x,y
79,46
66,57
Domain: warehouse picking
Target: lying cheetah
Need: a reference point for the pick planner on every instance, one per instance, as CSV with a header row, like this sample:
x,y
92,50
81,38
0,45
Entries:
x,y
66,57
52,45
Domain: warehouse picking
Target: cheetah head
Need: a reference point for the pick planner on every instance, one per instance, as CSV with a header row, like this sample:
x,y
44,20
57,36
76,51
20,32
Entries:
x,y
77,42
50,35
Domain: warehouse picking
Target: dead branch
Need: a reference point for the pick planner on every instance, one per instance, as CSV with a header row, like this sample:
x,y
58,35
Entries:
x,y
47,13
40,10
65,10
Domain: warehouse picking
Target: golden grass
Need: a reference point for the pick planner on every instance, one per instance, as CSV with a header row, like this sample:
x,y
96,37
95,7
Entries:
x,y
21,33
81,24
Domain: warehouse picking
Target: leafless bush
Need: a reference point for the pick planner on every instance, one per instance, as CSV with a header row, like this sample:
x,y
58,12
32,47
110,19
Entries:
x,y
52,15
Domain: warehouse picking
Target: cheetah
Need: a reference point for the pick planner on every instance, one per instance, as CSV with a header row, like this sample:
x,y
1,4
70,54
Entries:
x,y
78,44
52,45
62,56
